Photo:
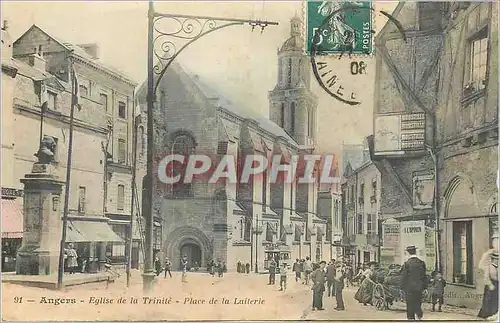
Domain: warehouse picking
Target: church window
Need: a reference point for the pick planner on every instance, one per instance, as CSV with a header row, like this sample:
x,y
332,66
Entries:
x,y
310,120
292,118
282,115
183,145
289,74
142,141
280,71
269,233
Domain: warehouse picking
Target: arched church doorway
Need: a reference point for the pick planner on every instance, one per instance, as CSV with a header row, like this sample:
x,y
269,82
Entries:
x,y
192,252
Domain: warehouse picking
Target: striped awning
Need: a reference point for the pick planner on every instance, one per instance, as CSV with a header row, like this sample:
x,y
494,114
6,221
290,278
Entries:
x,y
12,218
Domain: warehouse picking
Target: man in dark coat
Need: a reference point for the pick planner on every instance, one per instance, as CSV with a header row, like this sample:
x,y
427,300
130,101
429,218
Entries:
x,y
330,278
339,286
272,272
318,279
413,283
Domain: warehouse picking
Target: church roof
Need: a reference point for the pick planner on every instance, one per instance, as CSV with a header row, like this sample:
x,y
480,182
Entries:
x,y
293,43
264,123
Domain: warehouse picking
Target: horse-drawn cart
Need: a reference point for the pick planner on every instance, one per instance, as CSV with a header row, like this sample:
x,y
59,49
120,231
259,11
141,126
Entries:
x,y
383,289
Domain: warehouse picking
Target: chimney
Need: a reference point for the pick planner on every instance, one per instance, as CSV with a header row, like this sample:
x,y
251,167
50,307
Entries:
x,y
91,49
36,59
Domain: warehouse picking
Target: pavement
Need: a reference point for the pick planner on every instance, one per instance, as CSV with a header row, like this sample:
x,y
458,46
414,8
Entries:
x,y
203,297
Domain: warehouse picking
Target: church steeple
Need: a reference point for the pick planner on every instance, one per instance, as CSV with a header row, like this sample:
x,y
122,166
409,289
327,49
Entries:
x,y
292,104
295,26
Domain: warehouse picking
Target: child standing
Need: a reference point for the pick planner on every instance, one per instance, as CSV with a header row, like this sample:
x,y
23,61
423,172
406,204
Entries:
x,y
283,274
438,284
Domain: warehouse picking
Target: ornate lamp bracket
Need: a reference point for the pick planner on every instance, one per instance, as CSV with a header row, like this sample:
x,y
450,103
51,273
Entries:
x,y
173,33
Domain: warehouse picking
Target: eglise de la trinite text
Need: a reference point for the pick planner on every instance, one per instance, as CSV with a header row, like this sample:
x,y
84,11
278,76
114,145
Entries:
x,y
146,300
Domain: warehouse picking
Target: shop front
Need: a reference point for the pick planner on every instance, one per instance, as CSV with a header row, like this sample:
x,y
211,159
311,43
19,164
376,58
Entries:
x,y
12,227
90,237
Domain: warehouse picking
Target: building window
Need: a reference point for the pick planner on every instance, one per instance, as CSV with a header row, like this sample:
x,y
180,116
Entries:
x,y
120,201
222,147
51,105
351,200
289,74
142,141
310,121
462,252
370,224
122,113
280,71
81,199
478,60
269,233
122,151
84,91
292,118
359,224
183,145
104,101
478,49
362,190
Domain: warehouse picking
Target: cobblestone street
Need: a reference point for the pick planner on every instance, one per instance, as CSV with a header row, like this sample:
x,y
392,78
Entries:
x,y
191,301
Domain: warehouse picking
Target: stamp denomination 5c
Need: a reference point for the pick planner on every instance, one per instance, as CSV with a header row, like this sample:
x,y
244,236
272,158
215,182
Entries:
x,y
348,29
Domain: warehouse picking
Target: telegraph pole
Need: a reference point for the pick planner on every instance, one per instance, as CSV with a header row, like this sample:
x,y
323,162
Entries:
x,y
60,271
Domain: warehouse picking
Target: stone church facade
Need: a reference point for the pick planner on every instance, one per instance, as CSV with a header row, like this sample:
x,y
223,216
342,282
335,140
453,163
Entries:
x,y
238,222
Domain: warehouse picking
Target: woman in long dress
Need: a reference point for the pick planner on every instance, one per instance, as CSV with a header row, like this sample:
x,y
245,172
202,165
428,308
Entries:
x,y
489,265
364,293
72,258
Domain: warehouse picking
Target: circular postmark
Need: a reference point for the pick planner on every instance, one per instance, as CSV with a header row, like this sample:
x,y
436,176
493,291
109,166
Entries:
x,y
347,29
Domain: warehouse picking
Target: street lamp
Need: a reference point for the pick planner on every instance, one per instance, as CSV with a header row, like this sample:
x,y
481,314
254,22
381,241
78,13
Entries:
x,y
163,47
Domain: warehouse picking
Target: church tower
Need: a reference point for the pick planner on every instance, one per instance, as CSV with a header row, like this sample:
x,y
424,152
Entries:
x,y
292,104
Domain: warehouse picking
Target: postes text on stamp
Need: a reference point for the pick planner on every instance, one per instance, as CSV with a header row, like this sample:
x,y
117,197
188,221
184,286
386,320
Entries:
x,y
342,26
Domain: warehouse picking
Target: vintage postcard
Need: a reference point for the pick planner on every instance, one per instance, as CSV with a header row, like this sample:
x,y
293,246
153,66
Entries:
x,y
249,161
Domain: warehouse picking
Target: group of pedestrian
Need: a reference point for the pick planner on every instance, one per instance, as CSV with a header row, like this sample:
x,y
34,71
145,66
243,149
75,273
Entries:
x,y
218,267
334,276
242,268
303,269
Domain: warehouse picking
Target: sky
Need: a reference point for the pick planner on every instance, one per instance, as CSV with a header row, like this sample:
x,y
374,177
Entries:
x,y
241,63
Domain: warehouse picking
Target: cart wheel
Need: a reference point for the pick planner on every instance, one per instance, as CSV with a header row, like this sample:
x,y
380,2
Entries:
x,y
379,297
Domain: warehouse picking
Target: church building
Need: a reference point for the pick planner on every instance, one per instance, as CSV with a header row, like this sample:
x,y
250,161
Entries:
x,y
251,222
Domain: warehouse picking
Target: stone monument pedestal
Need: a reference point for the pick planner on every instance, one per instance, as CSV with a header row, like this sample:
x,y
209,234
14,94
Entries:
x,y
42,225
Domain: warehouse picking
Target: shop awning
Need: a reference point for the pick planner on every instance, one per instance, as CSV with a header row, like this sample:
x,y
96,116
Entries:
x,y
91,231
12,219
73,234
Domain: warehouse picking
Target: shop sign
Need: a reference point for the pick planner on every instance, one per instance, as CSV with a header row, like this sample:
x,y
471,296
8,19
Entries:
x,y
391,234
423,190
413,233
11,192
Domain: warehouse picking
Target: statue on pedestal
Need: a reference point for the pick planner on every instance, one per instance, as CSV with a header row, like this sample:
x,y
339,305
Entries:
x,y
46,151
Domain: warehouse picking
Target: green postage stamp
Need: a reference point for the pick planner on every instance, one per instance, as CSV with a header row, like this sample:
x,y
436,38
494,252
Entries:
x,y
341,27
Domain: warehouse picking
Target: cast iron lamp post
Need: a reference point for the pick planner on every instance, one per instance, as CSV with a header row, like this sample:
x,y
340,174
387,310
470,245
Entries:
x,y
162,45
